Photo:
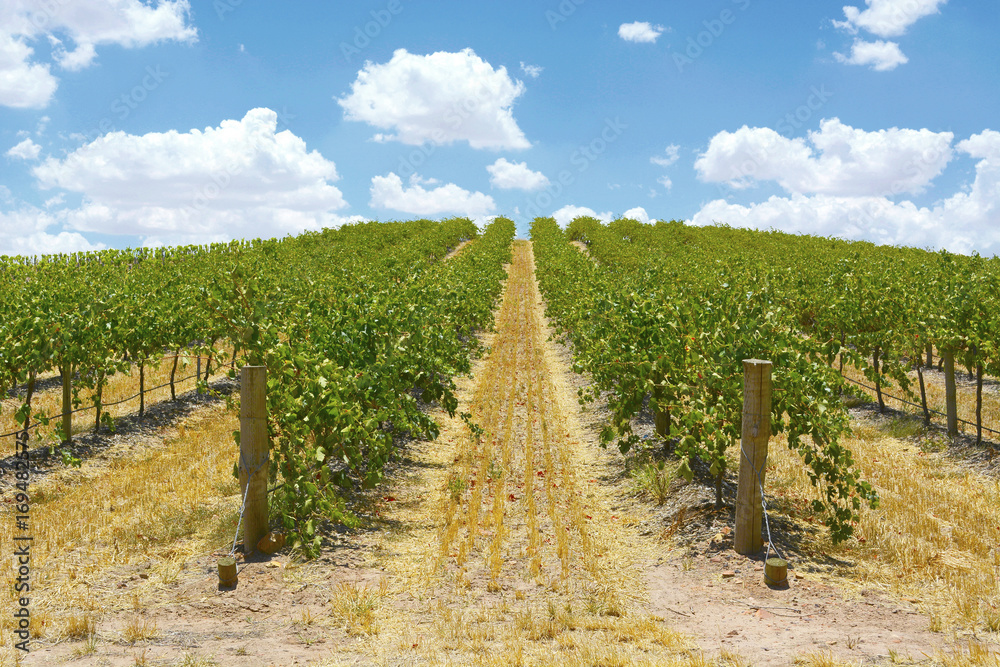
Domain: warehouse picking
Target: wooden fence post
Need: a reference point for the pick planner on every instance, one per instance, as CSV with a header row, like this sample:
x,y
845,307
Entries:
x,y
254,449
756,432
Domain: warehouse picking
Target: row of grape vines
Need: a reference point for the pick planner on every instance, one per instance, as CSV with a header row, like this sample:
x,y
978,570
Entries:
x,y
356,326
668,326
666,311
889,307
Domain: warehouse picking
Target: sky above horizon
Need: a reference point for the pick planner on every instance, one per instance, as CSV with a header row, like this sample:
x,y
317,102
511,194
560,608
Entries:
x,y
128,123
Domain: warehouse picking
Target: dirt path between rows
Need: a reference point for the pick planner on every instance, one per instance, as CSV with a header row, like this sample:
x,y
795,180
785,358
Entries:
x,y
457,249
521,543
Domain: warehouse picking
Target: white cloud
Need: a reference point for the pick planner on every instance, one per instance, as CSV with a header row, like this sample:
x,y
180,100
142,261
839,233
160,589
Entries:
x,y
77,59
23,84
665,182
876,219
484,221
671,155
388,192
438,98
128,23
639,31
241,179
964,222
850,162
977,210
568,213
888,18
880,56
985,145
26,150
26,232
637,213
515,176
531,70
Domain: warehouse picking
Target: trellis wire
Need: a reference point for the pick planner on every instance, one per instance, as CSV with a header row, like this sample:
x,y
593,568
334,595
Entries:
x,y
103,405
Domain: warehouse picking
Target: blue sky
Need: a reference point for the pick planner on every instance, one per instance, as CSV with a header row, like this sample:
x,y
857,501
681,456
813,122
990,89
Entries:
x,y
125,123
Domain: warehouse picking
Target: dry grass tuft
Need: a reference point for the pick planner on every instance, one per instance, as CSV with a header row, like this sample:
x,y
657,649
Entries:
x,y
88,647
79,626
728,658
356,607
654,479
970,653
191,660
139,629
821,659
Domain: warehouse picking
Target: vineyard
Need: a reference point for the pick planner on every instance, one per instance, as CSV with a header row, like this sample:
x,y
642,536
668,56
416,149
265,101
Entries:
x,y
488,451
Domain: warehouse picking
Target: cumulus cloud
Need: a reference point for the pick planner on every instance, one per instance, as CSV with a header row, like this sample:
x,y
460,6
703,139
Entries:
x,y
875,219
964,222
665,182
888,18
31,231
25,150
841,160
878,55
568,213
388,192
515,176
25,83
670,156
978,208
640,31
484,221
637,213
439,98
534,71
882,18
240,179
